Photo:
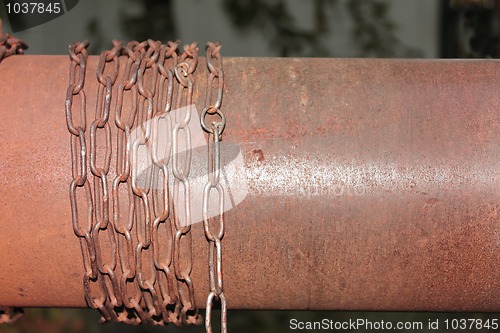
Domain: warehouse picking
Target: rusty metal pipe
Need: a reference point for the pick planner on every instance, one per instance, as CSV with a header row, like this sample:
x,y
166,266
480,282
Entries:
x,y
373,185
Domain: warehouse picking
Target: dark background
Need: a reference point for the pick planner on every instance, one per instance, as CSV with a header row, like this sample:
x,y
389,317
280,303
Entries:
x,y
313,28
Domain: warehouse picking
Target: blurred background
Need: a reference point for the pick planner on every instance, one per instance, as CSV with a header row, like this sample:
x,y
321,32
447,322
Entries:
x,y
268,28
284,28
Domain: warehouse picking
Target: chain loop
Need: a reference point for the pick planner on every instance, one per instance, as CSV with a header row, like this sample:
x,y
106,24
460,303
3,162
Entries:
x,y
162,204
106,80
148,71
123,223
216,73
9,315
78,56
10,45
182,237
208,313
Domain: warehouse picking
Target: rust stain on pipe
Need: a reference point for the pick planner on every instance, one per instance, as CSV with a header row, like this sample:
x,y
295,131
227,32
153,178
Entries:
x,y
373,185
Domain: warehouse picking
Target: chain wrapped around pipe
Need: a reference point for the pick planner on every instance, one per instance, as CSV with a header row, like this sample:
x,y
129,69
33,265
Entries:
x,y
381,147
140,273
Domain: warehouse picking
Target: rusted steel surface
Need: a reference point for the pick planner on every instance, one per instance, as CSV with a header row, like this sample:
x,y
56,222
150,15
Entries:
x,y
373,184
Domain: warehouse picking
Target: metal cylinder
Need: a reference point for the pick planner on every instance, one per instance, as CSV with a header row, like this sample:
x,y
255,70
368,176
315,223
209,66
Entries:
x,y
372,185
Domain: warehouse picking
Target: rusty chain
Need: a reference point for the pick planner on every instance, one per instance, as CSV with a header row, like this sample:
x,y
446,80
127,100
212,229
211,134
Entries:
x,y
9,315
107,278
123,223
78,56
141,272
9,45
141,187
184,69
214,130
162,204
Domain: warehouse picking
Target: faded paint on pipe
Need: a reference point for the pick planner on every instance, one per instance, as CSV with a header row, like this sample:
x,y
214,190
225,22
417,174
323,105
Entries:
x,y
373,184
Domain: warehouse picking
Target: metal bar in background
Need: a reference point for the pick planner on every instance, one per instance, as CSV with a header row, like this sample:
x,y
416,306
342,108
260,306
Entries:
x,y
372,185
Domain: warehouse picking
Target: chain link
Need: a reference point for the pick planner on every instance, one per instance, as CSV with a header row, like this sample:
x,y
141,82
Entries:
x,y
162,204
10,45
123,223
215,130
77,128
111,287
188,62
9,315
148,71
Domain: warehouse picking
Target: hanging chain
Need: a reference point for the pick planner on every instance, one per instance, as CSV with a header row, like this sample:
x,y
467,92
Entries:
x,y
10,45
123,223
142,272
77,127
162,204
107,278
146,277
183,260
214,130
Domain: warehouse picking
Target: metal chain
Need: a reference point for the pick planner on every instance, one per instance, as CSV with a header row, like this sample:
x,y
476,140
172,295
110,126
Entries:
x,y
162,204
146,280
123,223
188,62
9,315
10,45
107,277
145,276
77,128
214,130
